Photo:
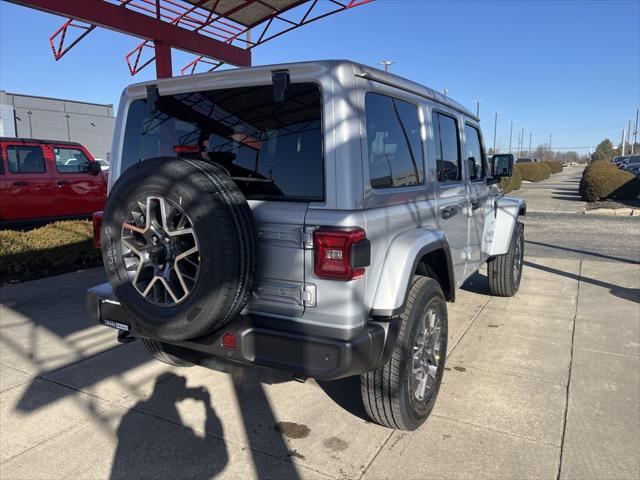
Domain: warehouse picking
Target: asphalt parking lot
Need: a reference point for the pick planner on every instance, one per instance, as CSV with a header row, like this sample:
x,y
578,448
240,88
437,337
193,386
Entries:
x,y
542,385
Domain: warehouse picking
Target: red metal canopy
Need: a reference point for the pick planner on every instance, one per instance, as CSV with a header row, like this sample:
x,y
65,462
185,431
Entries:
x,y
216,31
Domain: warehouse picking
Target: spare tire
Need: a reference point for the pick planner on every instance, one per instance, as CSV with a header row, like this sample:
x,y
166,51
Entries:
x,y
179,247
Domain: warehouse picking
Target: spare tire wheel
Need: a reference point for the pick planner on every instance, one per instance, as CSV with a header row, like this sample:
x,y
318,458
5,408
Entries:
x,y
179,247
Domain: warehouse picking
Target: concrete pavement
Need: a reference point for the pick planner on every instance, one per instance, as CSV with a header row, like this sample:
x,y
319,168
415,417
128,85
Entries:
x,y
556,194
543,385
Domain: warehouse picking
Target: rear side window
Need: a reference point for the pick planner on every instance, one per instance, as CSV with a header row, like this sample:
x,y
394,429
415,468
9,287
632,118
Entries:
x,y
1,162
445,132
474,153
70,160
25,159
393,140
273,150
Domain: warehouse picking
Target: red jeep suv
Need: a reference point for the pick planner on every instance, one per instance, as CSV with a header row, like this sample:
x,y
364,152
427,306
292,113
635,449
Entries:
x,y
45,180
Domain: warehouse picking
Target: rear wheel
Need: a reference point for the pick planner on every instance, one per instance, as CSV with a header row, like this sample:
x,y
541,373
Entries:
x,y
402,393
170,354
505,271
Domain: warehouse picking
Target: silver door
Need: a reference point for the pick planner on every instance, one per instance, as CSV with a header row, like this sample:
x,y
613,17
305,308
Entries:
x,y
452,192
476,173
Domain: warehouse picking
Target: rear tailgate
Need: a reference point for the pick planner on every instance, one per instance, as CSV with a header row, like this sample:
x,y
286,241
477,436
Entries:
x,y
280,287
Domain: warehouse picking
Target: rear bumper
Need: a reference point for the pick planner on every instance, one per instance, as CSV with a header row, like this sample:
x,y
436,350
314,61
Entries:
x,y
317,352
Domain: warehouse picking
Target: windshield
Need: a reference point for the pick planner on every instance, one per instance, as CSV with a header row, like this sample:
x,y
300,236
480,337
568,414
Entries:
x,y
273,150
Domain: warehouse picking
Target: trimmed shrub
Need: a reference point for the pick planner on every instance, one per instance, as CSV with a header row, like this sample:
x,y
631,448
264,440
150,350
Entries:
x,y
509,184
601,180
534,172
55,248
556,167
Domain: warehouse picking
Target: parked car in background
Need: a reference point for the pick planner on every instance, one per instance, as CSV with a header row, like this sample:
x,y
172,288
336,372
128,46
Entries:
x,y
633,165
524,160
620,160
104,164
44,180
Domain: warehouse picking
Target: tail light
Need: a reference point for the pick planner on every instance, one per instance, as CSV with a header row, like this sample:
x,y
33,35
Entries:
x,y
186,149
341,254
96,220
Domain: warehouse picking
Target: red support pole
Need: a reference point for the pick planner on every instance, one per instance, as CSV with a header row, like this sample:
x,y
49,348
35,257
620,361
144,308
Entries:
x,y
163,59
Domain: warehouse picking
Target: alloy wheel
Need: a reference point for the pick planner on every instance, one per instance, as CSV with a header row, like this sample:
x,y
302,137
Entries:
x,y
160,251
426,354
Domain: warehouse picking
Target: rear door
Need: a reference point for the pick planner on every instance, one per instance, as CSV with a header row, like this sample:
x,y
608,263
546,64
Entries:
x,y
452,189
476,162
78,191
30,191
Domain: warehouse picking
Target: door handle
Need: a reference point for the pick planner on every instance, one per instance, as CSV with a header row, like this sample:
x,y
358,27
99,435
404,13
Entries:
x,y
20,184
449,212
62,183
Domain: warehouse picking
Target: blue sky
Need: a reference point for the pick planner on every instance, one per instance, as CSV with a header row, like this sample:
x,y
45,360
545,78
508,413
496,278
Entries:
x,y
571,68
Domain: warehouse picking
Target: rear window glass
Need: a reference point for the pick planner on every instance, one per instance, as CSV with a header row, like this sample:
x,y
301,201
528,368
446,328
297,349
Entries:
x,y
393,140
273,150
25,159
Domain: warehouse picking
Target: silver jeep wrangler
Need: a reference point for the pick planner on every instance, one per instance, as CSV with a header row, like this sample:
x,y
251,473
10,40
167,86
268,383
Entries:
x,y
312,218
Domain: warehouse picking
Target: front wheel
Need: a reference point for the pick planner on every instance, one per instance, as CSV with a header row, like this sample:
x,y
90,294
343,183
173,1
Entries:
x,y
505,271
402,393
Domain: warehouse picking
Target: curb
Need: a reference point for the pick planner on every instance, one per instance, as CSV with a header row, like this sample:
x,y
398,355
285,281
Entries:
x,y
618,212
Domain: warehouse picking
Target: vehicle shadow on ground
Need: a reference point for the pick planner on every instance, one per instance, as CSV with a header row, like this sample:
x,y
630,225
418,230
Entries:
x,y
479,283
584,252
625,293
345,392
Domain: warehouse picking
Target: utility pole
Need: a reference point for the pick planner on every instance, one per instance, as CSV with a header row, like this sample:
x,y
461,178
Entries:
x,y
629,136
635,133
445,91
530,135
622,149
495,128
478,108
510,134
550,138
386,64
520,141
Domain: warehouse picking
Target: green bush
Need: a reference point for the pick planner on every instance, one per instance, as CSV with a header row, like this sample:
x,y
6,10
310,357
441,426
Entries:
x,y
514,182
534,172
601,180
55,248
556,167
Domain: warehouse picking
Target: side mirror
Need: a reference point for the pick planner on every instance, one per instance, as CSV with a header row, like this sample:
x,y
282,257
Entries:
x,y
501,166
94,168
